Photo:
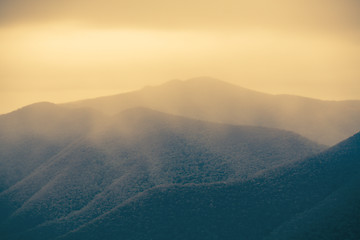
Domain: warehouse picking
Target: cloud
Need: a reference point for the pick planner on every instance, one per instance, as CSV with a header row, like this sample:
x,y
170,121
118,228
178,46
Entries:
x,y
185,14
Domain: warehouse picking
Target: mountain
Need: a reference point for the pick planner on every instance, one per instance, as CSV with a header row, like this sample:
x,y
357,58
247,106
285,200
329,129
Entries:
x,y
327,122
317,198
62,168
338,215
32,135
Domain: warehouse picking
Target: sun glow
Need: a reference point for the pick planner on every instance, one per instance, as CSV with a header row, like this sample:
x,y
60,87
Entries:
x,y
84,49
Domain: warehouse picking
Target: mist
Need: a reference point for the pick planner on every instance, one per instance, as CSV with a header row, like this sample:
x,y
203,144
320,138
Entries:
x,y
80,49
179,119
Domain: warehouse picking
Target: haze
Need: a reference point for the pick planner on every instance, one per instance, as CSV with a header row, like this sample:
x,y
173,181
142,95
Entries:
x,y
61,51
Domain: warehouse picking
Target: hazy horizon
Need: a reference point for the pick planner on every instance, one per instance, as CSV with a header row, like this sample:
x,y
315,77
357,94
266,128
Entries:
x,y
62,51
57,97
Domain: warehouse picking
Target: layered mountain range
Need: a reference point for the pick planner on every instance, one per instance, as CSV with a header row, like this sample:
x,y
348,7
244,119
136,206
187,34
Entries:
x,y
132,167
317,198
326,122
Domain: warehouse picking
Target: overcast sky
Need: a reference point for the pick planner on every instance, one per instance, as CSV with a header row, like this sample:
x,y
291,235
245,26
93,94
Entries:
x,y
66,50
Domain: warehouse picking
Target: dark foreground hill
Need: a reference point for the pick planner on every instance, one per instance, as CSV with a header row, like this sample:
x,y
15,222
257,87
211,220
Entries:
x,y
61,169
318,198
327,122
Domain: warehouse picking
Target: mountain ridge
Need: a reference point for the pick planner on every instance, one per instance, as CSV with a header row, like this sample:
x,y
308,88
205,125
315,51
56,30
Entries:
x,y
127,154
253,189
327,122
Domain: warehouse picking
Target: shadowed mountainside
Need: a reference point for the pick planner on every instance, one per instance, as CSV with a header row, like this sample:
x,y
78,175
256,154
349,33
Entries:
x,y
317,198
326,122
62,168
32,135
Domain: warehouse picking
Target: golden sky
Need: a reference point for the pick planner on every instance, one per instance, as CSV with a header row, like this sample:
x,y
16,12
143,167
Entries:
x,y
66,50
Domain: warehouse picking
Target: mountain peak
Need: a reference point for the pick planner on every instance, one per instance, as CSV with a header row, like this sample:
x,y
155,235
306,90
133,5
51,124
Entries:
x,y
210,99
205,79
39,105
36,108
201,81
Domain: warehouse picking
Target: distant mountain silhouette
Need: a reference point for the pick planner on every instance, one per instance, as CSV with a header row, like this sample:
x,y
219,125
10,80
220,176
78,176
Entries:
x,y
62,168
317,198
326,122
